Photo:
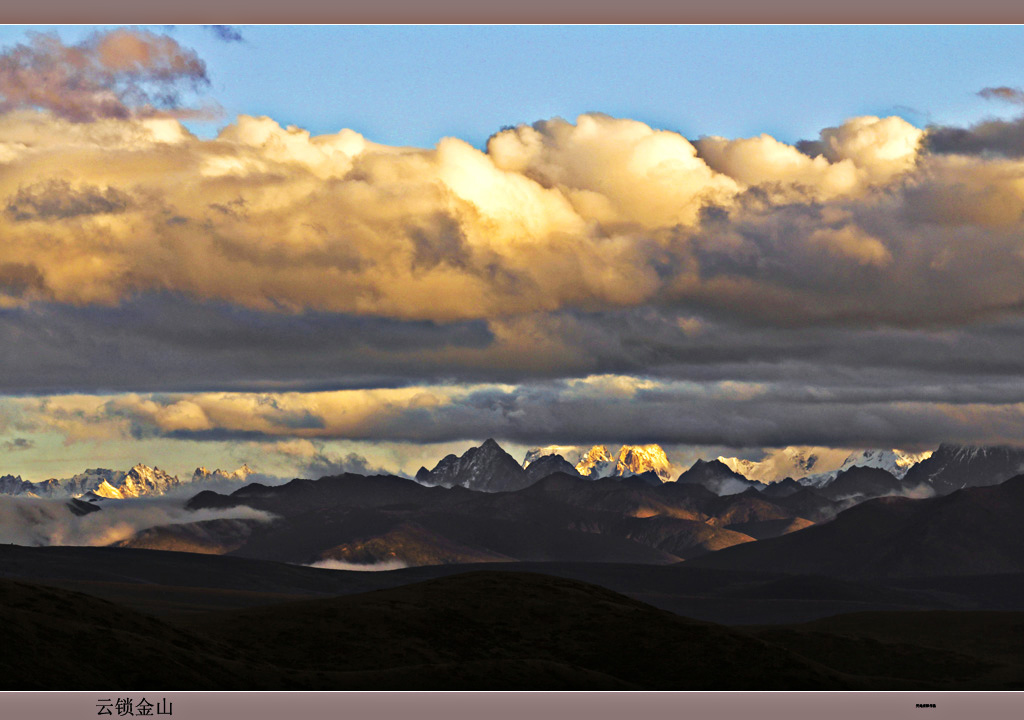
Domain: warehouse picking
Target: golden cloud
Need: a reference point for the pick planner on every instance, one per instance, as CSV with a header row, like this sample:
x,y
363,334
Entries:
x,y
599,214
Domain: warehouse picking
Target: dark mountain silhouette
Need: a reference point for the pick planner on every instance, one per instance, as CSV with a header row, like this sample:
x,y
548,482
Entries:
x,y
647,477
782,488
549,465
82,507
351,518
969,532
681,538
487,468
747,506
356,519
807,503
717,477
861,483
300,496
952,467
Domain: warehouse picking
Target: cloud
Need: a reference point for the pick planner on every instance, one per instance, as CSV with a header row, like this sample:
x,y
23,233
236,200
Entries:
x,y
159,342
18,444
41,522
117,74
315,461
359,567
1003,93
989,137
227,33
846,161
600,215
797,408
573,279
18,280
57,200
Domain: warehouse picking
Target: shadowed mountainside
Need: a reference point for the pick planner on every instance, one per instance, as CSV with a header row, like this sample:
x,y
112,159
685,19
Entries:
x,y
969,532
562,517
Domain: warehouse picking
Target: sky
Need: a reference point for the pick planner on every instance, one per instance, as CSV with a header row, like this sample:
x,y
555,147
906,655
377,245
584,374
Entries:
x,y
317,249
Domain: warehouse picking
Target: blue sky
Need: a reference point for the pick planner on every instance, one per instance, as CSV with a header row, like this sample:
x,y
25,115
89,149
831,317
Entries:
x,y
413,85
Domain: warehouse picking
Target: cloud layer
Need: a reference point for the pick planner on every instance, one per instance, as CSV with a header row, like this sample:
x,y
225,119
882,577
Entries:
x,y
575,281
596,215
606,408
42,522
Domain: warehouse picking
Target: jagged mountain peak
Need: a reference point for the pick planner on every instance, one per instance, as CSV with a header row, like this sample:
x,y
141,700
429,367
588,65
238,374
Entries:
x,y
638,459
570,453
953,467
549,465
597,462
485,467
718,477
202,474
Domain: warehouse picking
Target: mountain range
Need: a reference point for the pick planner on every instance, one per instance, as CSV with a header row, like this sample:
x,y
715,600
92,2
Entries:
x,y
972,531
490,468
565,517
139,481
931,560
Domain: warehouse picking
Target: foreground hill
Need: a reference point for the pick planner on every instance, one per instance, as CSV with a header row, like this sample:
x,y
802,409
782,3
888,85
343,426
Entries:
x,y
489,631
174,583
472,631
969,532
474,624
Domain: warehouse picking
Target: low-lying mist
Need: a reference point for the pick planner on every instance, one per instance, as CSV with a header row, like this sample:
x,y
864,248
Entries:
x,y
43,521
364,567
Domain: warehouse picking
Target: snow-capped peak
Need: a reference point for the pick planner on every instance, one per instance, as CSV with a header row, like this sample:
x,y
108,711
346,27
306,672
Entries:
x,y
895,461
637,459
596,463
572,454
794,461
144,480
242,474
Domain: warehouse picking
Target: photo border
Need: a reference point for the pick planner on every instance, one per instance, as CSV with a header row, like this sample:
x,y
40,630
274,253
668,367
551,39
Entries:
x,y
500,705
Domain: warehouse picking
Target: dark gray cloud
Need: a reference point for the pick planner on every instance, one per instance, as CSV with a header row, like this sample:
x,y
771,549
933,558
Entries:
x,y
168,343
913,255
654,376
325,463
227,33
1004,93
58,200
875,408
536,416
18,444
996,137
19,279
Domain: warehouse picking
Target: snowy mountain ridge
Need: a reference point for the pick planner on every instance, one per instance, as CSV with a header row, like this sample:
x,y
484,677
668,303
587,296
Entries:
x,y
139,481
599,462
